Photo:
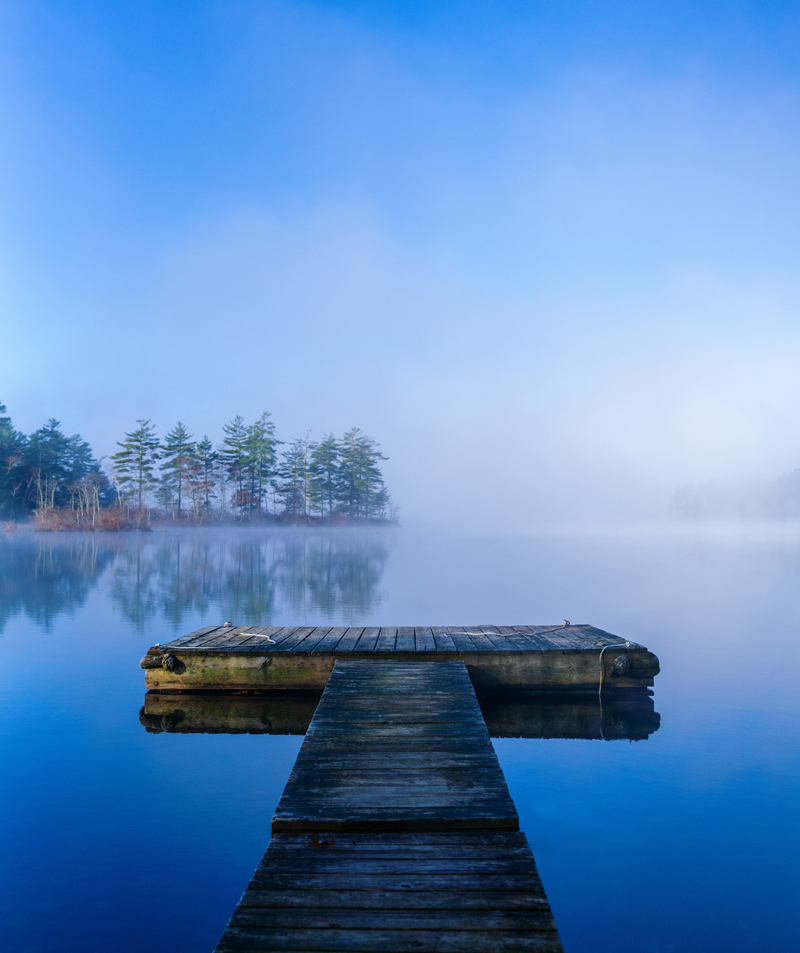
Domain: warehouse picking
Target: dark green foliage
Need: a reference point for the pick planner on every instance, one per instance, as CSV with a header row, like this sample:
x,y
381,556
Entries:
x,y
178,455
233,454
261,453
203,475
58,477
325,457
134,464
360,490
295,479
248,455
47,469
12,482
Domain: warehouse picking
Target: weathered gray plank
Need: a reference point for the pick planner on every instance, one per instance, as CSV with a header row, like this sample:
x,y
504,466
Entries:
x,y
349,640
258,635
400,941
184,639
424,640
385,899
295,638
368,639
460,639
387,639
405,640
443,641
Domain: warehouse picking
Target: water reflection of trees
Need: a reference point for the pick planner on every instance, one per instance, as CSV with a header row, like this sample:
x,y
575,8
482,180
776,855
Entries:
x,y
250,577
44,577
243,575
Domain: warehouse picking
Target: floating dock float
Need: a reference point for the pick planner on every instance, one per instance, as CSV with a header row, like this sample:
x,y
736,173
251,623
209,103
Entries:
x,y
396,830
519,658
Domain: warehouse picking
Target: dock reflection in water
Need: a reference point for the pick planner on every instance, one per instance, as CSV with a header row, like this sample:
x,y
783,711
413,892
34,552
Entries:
x,y
630,716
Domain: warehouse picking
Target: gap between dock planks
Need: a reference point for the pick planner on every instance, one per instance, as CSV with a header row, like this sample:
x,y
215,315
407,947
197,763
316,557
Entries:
x,y
395,831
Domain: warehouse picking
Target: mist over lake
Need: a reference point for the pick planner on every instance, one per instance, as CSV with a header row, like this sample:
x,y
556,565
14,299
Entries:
x,y
120,837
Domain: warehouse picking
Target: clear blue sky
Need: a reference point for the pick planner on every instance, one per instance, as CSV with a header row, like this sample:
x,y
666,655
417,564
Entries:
x,y
545,252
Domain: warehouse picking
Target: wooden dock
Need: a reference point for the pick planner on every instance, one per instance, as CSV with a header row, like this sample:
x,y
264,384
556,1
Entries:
x,y
396,830
521,657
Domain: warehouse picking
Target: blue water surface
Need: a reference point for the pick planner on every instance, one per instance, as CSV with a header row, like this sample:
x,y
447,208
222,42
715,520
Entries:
x,y
114,837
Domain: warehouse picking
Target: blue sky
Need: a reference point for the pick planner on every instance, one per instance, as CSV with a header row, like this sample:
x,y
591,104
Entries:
x,y
545,252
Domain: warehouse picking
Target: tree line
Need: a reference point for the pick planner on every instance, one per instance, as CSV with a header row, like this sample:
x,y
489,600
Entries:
x,y
48,470
250,475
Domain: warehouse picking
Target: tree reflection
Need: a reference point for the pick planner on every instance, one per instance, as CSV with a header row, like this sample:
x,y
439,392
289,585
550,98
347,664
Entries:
x,y
43,577
250,578
246,576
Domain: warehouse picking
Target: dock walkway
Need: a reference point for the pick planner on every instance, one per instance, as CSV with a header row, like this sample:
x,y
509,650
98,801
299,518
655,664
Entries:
x,y
396,830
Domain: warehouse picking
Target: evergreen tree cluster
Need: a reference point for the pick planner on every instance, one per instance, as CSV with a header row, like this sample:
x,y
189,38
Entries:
x,y
251,474
47,470
248,477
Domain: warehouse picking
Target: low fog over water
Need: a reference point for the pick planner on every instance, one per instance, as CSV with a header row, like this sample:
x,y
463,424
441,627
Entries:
x,y
662,836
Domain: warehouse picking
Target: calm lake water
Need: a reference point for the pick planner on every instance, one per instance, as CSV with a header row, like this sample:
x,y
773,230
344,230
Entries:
x,y
117,838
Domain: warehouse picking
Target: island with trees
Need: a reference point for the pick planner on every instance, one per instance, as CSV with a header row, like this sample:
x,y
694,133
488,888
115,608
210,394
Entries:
x,y
56,482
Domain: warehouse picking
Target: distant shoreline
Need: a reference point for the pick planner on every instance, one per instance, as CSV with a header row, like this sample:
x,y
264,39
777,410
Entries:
x,y
67,521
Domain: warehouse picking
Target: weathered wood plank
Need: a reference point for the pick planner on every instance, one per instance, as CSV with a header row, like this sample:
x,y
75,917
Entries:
x,y
460,639
387,639
400,941
461,920
328,643
294,638
258,636
184,639
349,640
368,639
424,640
386,899
405,640
443,641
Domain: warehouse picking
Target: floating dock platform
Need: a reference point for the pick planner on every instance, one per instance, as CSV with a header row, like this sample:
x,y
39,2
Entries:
x,y
535,658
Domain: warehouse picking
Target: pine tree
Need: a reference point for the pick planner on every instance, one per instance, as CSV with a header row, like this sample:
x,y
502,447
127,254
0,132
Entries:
x,y
360,489
56,461
261,454
12,460
178,454
206,458
295,478
234,458
134,464
325,458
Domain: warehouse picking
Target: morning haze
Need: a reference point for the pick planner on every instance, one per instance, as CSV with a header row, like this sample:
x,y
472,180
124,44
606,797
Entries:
x,y
545,260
